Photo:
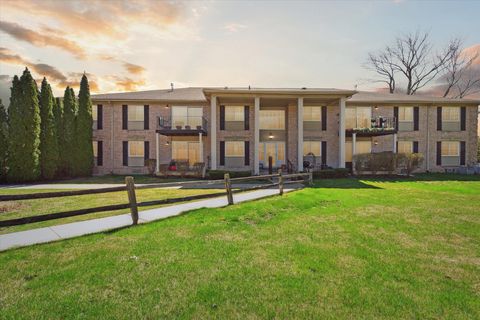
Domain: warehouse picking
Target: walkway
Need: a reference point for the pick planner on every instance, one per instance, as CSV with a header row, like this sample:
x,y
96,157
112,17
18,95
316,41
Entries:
x,y
75,229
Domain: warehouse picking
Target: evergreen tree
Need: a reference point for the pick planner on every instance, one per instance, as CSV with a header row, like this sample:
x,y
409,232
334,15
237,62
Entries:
x,y
58,115
24,130
84,130
48,134
69,131
3,141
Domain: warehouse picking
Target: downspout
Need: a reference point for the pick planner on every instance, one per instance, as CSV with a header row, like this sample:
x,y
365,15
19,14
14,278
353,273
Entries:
x,y
112,142
428,139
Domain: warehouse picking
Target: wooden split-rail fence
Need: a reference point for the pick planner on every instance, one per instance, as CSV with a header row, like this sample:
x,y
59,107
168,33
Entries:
x,y
278,179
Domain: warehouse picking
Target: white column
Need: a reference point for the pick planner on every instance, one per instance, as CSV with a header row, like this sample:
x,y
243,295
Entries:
x,y
341,134
394,143
200,146
354,144
213,132
256,136
300,133
157,148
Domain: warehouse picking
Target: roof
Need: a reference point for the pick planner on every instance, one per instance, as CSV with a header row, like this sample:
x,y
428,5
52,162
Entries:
x,y
301,91
181,94
380,97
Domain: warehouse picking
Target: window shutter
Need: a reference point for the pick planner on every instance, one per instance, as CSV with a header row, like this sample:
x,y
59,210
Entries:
x,y
439,153
146,117
395,115
463,118
324,118
99,117
415,146
222,117
222,153
246,117
125,117
247,153
439,118
125,153
324,152
462,153
396,146
416,115
99,153
146,151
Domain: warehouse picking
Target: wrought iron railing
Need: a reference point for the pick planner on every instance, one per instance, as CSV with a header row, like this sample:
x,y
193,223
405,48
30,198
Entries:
x,y
182,123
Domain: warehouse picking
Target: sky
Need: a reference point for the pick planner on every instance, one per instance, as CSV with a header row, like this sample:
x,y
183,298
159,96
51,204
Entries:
x,y
141,45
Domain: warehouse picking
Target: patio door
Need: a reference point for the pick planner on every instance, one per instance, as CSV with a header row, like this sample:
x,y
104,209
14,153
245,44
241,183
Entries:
x,y
274,149
186,150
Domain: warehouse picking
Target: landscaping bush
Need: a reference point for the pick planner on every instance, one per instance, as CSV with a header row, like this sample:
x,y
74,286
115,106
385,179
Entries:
x,y
151,165
409,161
219,174
331,173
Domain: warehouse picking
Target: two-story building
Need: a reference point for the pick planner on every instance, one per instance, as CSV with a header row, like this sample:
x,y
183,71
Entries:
x,y
241,128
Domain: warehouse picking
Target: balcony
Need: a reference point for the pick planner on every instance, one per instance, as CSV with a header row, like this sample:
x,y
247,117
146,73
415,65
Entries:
x,y
182,126
378,126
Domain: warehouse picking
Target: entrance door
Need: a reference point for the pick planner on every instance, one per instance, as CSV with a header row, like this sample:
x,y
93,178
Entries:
x,y
186,150
274,149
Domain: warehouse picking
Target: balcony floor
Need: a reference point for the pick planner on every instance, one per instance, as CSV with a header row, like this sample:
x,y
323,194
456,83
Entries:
x,y
181,132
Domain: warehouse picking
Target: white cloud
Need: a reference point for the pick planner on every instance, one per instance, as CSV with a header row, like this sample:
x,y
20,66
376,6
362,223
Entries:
x,y
234,27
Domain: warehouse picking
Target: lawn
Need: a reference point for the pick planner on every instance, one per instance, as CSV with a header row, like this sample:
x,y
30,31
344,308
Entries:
x,y
344,248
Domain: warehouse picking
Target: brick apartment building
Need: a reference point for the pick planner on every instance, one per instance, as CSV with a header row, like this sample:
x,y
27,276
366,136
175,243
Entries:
x,y
240,128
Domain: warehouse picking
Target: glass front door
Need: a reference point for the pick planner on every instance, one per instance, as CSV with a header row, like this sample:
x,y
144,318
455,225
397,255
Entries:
x,y
186,150
276,150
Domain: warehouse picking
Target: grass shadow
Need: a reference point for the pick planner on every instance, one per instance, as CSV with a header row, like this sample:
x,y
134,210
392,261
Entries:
x,y
345,183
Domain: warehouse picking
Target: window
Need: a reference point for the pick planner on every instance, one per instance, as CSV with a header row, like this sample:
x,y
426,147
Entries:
x,y
272,119
405,147
95,113
95,149
135,113
276,150
358,117
405,114
450,148
312,113
187,116
186,150
234,148
234,113
451,114
136,149
314,147
361,147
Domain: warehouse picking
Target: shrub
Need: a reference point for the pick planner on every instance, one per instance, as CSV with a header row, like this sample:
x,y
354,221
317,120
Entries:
x,y
151,165
331,173
409,161
219,174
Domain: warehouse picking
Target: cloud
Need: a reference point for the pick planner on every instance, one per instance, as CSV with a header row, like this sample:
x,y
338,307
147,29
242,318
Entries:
x,y
133,68
50,72
102,18
41,40
473,51
234,27
126,83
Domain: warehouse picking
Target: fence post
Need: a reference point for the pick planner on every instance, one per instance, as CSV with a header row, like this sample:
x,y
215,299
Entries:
x,y
132,199
228,188
310,178
270,164
280,182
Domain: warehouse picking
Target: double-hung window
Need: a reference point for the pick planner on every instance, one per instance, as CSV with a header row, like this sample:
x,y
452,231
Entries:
x,y
136,153
312,147
136,117
272,119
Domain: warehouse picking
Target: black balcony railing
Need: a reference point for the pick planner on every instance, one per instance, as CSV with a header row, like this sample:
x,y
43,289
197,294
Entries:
x,y
183,124
376,126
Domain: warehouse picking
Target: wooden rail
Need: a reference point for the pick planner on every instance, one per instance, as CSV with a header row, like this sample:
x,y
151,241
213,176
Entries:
x,y
131,188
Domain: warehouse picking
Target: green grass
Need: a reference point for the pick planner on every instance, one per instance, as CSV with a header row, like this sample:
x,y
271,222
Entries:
x,y
345,248
25,208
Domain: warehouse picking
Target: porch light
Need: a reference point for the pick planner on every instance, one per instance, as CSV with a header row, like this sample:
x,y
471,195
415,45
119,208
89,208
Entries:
x,y
270,136
375,142
376,107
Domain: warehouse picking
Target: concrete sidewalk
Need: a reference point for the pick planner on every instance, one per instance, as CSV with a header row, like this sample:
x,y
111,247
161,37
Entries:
x,y
75,229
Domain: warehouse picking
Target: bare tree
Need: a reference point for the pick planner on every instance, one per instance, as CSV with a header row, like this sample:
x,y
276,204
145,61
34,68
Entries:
x,y
413,57
381,64
460,73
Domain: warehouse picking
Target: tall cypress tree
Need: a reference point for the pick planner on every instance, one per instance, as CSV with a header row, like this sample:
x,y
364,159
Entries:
x,y
3,141
58,115
84,130
69,131
48,134
24,117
